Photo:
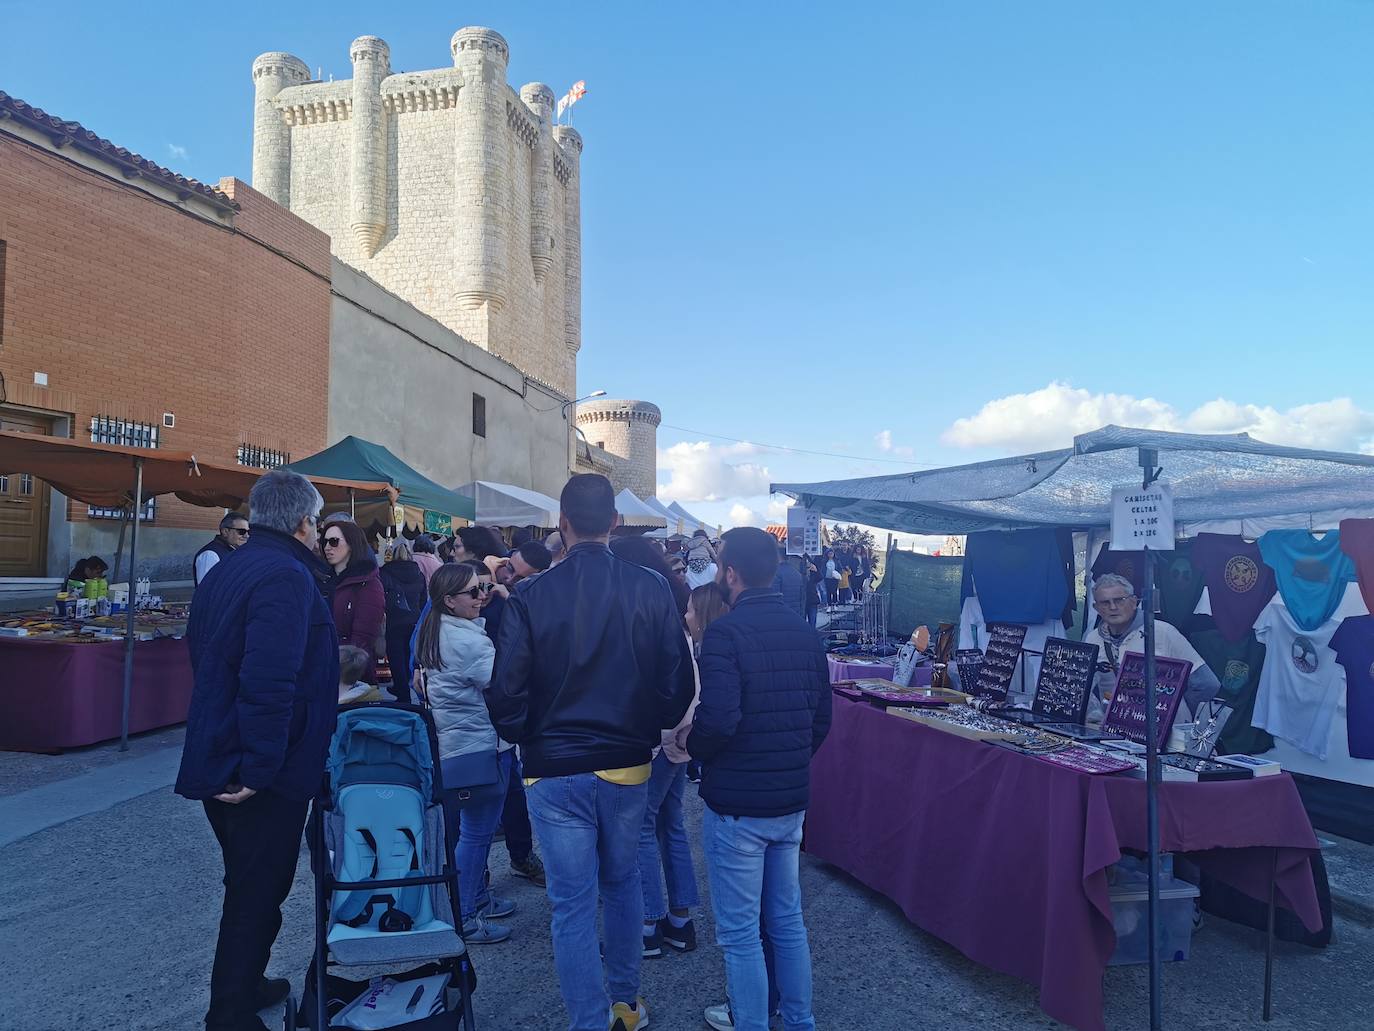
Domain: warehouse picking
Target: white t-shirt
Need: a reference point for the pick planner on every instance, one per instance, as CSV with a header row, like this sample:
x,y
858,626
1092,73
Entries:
x,y
205,563
1301,683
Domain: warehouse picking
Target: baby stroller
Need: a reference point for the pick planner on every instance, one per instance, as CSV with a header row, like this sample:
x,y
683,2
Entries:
x,y
386,889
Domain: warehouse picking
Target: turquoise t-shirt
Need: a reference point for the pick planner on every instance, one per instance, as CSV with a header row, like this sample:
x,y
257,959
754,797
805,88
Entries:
x,y
1312,573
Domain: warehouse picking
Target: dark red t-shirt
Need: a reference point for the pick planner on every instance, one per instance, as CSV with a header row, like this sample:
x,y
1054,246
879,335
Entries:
x,y
1239,584
1357,541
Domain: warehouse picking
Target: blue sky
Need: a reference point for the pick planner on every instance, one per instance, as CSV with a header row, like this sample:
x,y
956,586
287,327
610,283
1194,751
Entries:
x,y
912,233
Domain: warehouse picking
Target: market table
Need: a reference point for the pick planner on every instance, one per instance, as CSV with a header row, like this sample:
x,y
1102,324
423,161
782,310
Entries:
x,y
56,694
1005,857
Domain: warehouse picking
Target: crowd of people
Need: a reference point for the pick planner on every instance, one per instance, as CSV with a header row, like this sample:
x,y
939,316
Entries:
x,y
571,682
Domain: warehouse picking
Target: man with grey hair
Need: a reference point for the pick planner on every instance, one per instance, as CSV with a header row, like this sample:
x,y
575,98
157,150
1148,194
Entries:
x,y
266,663
1121,629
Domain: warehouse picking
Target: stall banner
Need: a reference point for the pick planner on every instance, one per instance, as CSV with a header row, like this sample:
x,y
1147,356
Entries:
x,y
999,659
1143,517
1066,677
1127,714
803,531
437,522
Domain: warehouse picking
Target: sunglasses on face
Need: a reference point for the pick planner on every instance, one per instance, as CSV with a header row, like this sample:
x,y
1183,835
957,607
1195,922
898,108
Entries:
x,y
242,532
332,542
476,592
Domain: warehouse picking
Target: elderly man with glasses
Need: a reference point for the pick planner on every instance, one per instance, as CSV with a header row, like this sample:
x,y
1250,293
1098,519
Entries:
x,y
1121,629
233,531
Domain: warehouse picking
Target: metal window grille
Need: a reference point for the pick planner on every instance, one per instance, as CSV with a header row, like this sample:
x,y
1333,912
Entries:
x,y
257,457
106,429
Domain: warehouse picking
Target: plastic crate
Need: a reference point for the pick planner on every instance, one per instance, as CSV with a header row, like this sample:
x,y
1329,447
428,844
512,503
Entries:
x,y
1131,917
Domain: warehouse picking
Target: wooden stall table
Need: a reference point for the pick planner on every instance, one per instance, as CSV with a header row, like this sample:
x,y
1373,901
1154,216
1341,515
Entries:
x,y
57,694
1005,857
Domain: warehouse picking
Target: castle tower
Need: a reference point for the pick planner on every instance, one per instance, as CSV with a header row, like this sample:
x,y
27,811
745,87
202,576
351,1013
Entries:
x,y
272,73
367,184
446,187
629,430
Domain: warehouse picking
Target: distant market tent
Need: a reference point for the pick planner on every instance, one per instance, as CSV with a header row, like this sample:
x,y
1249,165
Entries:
x,y
635,513
690,523
502,504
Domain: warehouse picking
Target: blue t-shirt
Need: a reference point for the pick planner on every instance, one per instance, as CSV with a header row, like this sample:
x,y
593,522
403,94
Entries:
x,y
1311,573
1020,576
1353,643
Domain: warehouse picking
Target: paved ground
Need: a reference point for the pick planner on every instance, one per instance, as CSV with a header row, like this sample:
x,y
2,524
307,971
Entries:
x,y
108,916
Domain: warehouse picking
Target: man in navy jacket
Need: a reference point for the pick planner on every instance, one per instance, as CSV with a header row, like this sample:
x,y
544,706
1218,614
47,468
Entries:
x,y
764,710
266,663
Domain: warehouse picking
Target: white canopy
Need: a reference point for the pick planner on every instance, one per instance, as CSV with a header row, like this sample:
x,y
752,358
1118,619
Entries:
x,y
690,522
634,512
501,504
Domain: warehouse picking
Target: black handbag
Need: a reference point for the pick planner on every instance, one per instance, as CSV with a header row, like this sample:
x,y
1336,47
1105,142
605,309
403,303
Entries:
x,y
469,779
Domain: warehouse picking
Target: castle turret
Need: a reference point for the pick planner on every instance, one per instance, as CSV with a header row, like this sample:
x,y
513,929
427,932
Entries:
x,y
570,147
539,99
368,185
272,73
482,216
629,430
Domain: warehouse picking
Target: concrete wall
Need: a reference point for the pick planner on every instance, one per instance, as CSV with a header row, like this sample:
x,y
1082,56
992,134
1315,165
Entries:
x,y
400,379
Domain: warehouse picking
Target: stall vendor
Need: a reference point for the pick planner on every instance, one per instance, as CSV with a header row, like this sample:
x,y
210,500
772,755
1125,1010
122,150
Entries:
x,y
1121,629
92,568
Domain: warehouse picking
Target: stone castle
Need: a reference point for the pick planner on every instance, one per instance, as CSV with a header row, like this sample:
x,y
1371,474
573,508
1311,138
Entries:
x,y
446,187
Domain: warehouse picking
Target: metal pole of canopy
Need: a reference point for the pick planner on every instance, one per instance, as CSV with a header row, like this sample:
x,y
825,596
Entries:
x,y
129,606
1148,461
352,505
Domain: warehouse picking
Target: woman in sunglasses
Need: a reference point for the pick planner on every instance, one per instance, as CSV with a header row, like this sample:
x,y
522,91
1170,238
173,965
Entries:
x,y
456,657
359,601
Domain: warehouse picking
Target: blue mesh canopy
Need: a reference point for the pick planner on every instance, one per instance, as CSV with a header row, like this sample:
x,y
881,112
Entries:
x,y
1215,479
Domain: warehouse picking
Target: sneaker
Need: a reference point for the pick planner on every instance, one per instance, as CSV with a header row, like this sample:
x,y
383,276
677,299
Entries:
x,y
497,907
480,931
720,1018
628,1017
683,938
271,992
653,942
531,869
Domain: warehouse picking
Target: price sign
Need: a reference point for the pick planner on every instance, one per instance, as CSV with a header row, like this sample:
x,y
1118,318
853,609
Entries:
x,y
1143,517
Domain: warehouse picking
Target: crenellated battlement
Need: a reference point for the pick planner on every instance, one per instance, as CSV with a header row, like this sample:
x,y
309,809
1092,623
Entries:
x,y
448,186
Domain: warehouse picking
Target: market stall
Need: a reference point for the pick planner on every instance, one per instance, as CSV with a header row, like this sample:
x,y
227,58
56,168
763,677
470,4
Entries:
x,y
501,504
635,515
1021,516
425,504
61,674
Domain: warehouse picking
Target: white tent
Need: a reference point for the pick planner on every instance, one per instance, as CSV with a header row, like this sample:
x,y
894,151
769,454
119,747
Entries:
x,y
635,513
501,504
690,523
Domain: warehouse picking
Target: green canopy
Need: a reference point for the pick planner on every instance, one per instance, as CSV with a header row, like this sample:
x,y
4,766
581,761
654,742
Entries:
x,y
377,463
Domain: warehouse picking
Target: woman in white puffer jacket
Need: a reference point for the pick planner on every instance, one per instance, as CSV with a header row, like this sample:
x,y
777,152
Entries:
x,y
457,656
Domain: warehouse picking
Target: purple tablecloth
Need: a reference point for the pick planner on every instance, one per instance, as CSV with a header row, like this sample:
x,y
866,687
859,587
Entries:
x,y
840,669
55,695
1005,856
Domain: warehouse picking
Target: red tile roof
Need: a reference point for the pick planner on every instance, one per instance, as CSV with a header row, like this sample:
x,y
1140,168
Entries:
x,y
75,134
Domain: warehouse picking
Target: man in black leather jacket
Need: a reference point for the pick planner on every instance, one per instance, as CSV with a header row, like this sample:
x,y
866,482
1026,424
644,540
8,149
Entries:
x,y
592,664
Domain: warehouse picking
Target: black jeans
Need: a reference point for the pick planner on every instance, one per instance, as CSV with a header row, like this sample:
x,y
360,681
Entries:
x,y
515,818
261,841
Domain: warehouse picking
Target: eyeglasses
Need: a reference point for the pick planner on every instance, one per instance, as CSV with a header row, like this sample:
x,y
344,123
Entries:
x,y
475,592
332,542
241,531
1113,603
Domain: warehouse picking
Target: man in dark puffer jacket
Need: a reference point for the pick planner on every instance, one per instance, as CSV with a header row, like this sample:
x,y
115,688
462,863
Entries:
x,y
765,709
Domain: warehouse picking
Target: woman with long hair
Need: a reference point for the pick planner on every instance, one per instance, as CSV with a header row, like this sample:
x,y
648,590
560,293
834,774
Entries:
x,y
663,835
404,587
453,650
359,601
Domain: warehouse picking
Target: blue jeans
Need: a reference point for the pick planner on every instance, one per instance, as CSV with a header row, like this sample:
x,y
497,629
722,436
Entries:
x,y
663,843
753,865
476,829
588,831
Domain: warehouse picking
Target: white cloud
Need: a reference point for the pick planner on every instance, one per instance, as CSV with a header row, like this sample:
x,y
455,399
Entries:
x,y
1049,417
884,441
743,515
176,150
700,472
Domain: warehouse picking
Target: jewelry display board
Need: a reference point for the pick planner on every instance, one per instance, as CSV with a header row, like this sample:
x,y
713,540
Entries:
x,y
1065,681
999,659
1127,714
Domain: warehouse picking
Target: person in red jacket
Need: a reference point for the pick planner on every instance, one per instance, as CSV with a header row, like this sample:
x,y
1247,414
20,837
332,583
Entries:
x,y
359,601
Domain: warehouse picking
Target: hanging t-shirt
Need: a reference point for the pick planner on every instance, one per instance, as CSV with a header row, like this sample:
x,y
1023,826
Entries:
x,y
1179,585
1239,584
1019,576
1130,564
1301,683
1353,644
1357,541
1238,665
1311,573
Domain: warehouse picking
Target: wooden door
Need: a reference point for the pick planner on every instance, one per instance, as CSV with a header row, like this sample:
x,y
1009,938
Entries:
x,y
24,502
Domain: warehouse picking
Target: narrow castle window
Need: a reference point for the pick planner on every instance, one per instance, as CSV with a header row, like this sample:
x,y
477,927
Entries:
x,y
479,415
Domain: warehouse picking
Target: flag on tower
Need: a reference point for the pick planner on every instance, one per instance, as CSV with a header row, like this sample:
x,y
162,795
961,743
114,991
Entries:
x,y
578,91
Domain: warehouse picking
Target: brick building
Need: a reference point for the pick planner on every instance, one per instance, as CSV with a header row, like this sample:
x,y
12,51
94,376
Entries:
x,y
141,307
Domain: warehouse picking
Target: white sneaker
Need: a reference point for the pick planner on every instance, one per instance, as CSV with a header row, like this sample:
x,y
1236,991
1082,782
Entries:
x,y
718,1017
